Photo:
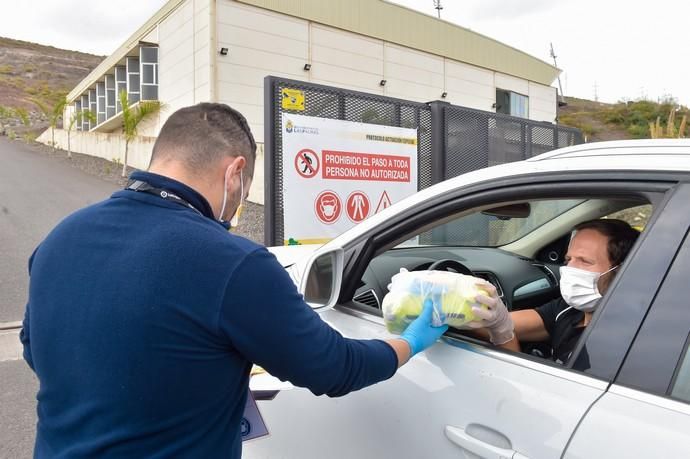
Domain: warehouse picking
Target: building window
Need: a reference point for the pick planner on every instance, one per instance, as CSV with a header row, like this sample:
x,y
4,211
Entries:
x,y
93,104
100,101
110,96
120,85
77,109
512,103
85,107
133,82
149,72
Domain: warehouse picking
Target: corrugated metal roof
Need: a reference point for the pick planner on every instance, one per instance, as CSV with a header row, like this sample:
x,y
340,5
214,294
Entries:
x,y
397,24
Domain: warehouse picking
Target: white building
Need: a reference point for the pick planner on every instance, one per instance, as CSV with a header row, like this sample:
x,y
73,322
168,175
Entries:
x,y
194,51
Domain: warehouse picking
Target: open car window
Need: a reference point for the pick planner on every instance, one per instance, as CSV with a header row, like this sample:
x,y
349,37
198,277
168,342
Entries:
x,y
500,243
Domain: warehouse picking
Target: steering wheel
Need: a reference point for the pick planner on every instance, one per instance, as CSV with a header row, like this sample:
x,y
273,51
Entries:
x,y
449,264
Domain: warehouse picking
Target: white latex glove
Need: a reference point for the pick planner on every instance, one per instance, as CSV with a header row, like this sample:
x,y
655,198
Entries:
x,y
496,319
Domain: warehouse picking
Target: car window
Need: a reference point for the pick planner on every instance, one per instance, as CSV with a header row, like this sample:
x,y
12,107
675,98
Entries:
x,y
681,386
637,216
483,230
475,241
658,361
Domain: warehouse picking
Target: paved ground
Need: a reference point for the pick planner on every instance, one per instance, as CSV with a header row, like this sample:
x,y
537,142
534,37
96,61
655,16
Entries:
x,y
35,194
18,387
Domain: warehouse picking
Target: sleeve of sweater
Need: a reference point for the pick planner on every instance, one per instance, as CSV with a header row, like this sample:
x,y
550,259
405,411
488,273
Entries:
x,y
24,334
268,322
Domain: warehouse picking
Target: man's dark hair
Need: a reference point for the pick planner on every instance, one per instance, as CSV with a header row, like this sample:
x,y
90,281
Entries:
x,y
621,236
201,135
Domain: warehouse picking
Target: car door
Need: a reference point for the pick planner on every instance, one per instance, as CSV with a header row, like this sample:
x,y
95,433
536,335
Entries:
x,y
461,398
646,412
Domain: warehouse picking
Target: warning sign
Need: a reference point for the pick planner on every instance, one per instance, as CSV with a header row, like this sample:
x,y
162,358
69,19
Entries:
x,y
343,171
343,165
292,99
328,207
307,163
358,206
384,202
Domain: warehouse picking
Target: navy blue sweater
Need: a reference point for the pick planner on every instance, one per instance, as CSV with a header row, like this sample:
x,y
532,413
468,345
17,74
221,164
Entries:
x,y
142,323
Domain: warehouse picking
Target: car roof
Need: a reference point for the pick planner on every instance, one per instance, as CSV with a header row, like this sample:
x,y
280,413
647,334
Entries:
x,y
651,148
662,155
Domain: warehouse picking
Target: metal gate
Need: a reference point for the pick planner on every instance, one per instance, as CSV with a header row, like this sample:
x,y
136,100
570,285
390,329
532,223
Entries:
x,y
452,140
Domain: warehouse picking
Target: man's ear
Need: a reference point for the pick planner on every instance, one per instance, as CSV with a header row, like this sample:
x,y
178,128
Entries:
x,y
238,164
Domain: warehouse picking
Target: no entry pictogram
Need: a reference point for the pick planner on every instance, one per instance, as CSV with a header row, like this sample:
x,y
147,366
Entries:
x,y
328,207
357,206
307,163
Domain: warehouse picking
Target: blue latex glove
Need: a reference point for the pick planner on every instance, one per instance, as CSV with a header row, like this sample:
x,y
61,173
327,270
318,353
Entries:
x,y
421,334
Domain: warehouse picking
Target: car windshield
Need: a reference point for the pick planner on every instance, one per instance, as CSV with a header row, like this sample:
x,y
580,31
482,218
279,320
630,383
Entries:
x,y
483,230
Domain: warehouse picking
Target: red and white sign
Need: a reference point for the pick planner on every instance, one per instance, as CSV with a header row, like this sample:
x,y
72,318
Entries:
x,y
328,207
336,174
384,202
346,165
307,163
358,206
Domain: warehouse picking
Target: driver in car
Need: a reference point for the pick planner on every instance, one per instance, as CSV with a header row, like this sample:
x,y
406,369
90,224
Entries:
x,y
597,249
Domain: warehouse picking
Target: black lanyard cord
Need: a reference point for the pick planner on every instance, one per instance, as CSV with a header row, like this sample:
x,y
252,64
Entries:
x,y
141,186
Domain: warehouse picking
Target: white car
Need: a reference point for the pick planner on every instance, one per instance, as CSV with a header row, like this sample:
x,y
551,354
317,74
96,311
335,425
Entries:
x,y
624,393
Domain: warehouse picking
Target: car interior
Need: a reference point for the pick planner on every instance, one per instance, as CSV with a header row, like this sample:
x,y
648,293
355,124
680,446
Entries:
x,y
517,246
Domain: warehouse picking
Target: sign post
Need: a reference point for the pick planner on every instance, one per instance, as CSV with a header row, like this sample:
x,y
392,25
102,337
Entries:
x,y
339,173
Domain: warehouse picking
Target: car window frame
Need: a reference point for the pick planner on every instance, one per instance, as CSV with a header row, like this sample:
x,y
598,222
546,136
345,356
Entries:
x,y
652,365
534,186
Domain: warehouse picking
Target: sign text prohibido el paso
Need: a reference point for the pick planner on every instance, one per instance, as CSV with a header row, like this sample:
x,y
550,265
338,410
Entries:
x,y
337,174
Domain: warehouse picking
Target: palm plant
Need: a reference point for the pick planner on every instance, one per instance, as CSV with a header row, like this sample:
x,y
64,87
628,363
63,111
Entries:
x,y
77,117
132,116
53,113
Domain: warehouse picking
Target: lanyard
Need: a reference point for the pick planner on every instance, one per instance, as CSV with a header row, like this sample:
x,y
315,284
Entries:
x,y
141,186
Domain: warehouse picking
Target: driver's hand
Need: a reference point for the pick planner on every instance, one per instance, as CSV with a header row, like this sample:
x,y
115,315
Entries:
x,y
495,318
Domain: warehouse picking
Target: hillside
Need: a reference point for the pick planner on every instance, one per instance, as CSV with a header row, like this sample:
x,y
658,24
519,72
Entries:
x,y
624,120
32,71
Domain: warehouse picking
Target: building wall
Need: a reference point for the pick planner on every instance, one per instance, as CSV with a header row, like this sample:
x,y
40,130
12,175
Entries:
x,y
110,146
185,56
263,42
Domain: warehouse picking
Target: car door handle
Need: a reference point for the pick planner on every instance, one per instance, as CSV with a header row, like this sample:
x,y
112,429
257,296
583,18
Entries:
x,y
478,447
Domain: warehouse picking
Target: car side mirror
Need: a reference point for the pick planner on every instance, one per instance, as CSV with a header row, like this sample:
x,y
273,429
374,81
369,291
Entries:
x,y
321,286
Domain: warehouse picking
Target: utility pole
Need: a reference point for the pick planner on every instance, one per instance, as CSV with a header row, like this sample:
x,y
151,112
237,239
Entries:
x,y
437,5
562,102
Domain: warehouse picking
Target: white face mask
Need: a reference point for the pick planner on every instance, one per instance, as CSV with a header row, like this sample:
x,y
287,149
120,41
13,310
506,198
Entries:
x,y
579,287
234,221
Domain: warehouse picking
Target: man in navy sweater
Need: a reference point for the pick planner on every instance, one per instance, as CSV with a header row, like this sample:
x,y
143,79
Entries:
x,y
145,315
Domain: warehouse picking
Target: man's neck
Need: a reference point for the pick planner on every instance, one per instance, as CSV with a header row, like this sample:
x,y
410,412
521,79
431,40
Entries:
x,y
177,172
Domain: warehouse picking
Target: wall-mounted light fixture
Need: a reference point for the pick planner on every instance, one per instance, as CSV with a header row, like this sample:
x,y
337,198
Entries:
x,y
382,83
444,94
224,51
307,67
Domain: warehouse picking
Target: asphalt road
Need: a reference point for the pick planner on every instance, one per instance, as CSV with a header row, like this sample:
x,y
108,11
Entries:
x,y
35,194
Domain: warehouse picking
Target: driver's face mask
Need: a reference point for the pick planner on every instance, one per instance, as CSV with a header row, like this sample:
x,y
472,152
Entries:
x,y
579,287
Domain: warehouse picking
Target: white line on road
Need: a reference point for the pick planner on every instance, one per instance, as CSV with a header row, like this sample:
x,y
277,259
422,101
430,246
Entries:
x,y
10,346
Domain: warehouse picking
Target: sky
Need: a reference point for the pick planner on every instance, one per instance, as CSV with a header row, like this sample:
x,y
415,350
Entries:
x,y
609,49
